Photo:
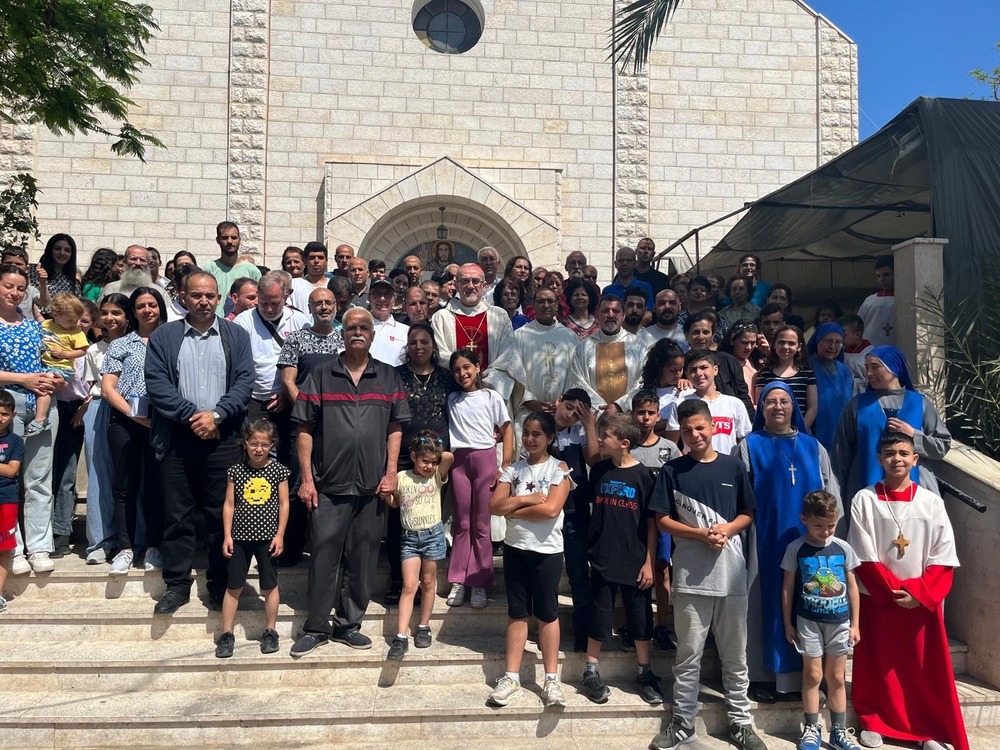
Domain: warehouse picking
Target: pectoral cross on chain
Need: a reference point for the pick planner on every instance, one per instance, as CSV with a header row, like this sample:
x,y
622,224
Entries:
x,y
791,470
901,543
471,346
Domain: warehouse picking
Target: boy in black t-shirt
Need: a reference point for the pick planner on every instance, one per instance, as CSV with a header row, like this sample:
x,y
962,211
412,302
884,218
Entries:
x,y
11,456
622,542
705,501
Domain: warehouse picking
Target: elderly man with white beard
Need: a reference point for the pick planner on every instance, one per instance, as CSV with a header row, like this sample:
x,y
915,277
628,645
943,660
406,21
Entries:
x,y
467,321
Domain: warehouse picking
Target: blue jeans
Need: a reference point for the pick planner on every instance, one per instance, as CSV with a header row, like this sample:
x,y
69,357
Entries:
x,y
575,533
100,501
427,544
37,479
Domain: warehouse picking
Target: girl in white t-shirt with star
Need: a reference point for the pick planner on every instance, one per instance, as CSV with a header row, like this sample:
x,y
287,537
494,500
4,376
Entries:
x,y
530,495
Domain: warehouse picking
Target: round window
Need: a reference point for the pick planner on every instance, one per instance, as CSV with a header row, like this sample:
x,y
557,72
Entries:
x,y
448,26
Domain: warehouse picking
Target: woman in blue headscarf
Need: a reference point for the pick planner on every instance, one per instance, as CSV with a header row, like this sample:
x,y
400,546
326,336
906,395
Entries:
x,y
834,381
890,403
785,463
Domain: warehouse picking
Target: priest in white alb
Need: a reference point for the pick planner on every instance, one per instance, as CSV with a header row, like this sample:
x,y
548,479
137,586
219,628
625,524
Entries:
x,y
467,322
608,363
546,347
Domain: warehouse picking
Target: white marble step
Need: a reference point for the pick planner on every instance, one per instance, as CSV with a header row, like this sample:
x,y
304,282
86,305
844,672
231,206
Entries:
x,y
433,715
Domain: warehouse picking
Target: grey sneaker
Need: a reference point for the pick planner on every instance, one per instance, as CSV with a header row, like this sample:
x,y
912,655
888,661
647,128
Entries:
x,y
40,562
3,606
20,566
478,599
154,560
97,556
456,598
505,690
675,735
870,739
552,694
36,428
122,563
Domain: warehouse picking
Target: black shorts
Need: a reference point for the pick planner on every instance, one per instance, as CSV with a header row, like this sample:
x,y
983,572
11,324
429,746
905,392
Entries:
x,y
532,582
638,605
239,565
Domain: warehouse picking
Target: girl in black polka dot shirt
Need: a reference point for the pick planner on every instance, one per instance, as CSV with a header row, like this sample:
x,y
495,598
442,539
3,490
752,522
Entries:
x,y
254,517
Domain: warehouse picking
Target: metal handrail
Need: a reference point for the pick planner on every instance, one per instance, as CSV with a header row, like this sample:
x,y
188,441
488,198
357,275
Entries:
x,y
965,498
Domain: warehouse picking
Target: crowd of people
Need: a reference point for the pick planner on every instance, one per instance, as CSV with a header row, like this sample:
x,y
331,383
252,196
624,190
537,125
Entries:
x,y
686,440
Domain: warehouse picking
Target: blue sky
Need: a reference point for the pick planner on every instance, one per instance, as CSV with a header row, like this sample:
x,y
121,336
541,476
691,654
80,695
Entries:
x,y
915,48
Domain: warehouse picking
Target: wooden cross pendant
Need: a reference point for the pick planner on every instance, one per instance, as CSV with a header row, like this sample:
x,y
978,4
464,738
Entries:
x,y
901,543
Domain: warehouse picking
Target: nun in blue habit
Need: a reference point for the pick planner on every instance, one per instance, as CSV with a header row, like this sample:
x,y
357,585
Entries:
x,y
890,402
785,463
834,381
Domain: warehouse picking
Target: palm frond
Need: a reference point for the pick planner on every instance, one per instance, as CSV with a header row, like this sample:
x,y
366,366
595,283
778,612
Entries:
x,y
635,28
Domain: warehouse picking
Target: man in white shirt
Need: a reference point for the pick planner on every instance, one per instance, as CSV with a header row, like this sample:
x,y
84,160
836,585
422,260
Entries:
x,y
879,309
269,325
389,344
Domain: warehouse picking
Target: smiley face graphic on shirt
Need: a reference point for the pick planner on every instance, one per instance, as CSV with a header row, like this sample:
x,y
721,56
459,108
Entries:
x,y
256,491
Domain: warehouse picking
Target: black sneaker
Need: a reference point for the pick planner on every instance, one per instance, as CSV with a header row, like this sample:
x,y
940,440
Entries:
x,y
628,642
744,736
224,646
649,688
398,648
269,641
675,735
307,643
594,688
423,637
353,638
392,595
662,639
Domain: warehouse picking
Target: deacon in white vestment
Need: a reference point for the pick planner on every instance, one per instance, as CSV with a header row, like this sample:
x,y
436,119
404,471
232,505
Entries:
x,y
546,348
879,309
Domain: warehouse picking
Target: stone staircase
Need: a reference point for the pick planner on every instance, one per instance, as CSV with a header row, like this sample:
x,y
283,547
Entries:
x,y
86,664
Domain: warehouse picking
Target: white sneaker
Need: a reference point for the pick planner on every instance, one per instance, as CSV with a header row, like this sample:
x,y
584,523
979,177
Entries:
x,y
40,562
552,694
20,566
97,556
457,596
478,600
154,560
122,563
505,690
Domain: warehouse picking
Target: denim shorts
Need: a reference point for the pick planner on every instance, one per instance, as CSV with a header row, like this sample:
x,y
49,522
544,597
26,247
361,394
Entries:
x,y
428,544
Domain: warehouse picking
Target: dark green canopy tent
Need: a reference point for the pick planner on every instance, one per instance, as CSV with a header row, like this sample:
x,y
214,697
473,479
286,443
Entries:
x,y
933,171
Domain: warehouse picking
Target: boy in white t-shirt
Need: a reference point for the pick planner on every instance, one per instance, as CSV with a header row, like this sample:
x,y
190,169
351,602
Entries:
x,y
729,416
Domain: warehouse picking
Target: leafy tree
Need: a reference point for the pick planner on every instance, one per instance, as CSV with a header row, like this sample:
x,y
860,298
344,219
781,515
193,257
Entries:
x,y
18,201
636,27
989,78
66,64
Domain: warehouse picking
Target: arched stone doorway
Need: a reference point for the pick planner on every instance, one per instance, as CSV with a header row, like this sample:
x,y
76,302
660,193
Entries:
x,y
406,214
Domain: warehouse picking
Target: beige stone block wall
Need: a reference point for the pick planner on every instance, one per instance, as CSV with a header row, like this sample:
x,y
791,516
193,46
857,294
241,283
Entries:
x,y
175,199
744,98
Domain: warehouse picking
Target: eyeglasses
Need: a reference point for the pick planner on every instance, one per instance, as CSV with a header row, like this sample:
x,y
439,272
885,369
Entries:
x,y
832,343
260,446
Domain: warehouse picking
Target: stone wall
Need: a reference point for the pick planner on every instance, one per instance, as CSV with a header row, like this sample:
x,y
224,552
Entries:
x,y
254,97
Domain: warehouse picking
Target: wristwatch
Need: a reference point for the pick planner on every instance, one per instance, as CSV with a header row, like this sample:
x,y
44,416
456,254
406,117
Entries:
x,y
217,417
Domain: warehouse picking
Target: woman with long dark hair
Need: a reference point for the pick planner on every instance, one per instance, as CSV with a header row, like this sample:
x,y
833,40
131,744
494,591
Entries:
x,y
56,270
123,386
102,271
581,298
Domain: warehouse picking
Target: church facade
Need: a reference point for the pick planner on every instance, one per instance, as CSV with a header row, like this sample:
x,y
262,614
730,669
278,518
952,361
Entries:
x,y
388,123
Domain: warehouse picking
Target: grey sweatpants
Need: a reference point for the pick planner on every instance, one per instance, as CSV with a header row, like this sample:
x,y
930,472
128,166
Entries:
x,y
726,616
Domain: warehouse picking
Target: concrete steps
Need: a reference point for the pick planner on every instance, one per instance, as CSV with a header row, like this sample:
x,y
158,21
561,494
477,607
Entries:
x,y
87,664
